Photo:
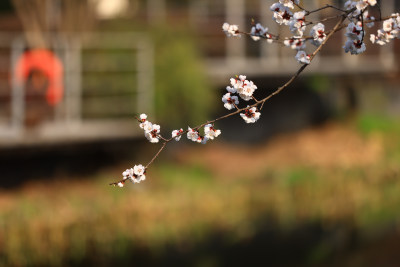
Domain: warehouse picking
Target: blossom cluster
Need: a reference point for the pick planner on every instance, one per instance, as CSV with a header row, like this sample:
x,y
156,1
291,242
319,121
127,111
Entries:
x,y
209,134
177,134
318,34
231,30
245,89
241,86
355,35
390,30
283,14
135,175
258,31
355,30
302,57
250,115
151,131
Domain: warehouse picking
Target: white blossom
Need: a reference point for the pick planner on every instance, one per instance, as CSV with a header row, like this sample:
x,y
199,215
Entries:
x,y
177,134
138,173
354,47
247,90
250,115
230,30
295,43
258,31
210,132
282,14
231,89
269,37
143,119
318,33
243,87
236,83
381,38
350,4
135,174
371,2
230,101
296,23
389,25
147,126
153,135
354,31
363,4
138,170
192,134
127,174
390,30
302,57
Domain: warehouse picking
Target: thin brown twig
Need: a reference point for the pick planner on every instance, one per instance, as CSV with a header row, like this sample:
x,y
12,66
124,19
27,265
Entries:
x,y
322,20
158,153
325,7
363,26
302,8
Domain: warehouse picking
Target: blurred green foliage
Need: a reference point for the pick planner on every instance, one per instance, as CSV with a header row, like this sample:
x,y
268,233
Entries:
x,y
183,93
369,123
319,83
389,126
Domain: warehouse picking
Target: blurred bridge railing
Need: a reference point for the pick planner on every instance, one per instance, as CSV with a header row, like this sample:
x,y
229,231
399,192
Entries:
x,y
107,78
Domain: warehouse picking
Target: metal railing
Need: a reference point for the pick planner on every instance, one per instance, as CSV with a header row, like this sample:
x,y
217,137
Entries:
x,y
104,111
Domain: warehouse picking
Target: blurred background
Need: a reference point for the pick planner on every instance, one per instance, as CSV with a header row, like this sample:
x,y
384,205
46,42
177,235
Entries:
x,y
316,182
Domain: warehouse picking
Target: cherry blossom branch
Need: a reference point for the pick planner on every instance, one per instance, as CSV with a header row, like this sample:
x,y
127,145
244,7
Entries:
x,y
258,102
363,26
302,68
355,33
380,11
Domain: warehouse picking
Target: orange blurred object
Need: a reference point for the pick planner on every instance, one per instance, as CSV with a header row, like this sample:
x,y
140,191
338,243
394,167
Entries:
x,y
50,65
